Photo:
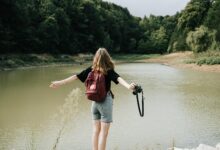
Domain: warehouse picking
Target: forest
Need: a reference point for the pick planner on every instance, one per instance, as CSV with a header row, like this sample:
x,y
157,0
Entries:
x,y
82,26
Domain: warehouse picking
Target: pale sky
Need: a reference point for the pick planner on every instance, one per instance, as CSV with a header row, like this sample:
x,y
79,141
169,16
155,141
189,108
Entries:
x,y
141,8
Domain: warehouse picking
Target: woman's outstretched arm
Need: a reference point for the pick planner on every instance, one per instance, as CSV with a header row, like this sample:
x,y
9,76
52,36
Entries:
x,y
56,84
125,84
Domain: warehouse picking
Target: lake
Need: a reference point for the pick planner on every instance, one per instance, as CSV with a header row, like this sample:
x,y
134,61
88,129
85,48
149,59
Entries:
x,y
182,108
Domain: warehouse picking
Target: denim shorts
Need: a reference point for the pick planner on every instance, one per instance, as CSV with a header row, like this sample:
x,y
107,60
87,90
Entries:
x,y
103,110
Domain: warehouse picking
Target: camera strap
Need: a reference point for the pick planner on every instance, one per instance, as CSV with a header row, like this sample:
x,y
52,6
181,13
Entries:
x,y
141,111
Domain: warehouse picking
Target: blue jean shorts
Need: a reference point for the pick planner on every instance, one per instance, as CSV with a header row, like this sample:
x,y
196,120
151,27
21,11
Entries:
x,y
103,110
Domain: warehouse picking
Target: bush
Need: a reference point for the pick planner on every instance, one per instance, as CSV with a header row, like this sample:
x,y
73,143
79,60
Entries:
x,y
201,39
209,58
208,61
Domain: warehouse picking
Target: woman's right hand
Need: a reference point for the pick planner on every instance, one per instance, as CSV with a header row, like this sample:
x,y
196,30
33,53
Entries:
x,y
55,84
132,86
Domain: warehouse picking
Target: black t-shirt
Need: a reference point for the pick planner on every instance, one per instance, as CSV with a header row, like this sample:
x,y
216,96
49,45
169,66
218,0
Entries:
x,y
111,76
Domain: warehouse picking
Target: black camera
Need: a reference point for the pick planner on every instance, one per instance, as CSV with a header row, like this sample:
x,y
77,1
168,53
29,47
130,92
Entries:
x,y
137,89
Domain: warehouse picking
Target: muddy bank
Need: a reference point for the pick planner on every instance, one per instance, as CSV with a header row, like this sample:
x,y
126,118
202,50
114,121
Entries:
x,y
180,59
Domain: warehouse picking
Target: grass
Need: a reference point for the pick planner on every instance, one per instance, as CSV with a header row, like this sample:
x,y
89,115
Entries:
x,y
208,58
11,61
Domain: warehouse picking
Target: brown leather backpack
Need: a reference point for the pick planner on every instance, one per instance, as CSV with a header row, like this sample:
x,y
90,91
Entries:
x,y
95,86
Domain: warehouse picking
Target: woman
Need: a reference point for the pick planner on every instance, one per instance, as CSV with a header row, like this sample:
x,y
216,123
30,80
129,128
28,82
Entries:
x,y
102,112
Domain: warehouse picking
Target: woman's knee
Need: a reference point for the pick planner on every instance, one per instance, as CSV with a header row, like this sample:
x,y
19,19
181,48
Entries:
x,y
103,133
104,129
96,131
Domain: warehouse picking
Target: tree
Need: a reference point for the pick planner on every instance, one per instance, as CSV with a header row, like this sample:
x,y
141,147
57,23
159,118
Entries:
x,y
201,39
193,15
49,35
190,18
159,40
212,20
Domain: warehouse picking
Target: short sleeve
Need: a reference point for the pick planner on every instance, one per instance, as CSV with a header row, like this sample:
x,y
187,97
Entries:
x,y
83,75
113,76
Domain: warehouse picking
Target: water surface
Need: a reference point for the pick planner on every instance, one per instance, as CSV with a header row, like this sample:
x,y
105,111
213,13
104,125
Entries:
x,y
181,107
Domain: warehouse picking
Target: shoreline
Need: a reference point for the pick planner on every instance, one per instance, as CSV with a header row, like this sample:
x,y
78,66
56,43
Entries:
x,y
177,60
27,61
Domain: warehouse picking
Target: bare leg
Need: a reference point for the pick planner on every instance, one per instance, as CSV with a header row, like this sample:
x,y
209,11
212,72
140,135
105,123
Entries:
x,y
95,134
103,135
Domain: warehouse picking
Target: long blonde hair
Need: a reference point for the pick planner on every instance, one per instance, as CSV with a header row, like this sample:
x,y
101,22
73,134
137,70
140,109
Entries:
x,y
102,61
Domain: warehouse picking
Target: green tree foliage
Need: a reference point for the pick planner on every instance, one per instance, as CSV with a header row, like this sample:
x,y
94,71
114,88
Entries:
x,y
80,26
156,33
201,39
66,26
212,20
159,40
48,31
193,15
190,18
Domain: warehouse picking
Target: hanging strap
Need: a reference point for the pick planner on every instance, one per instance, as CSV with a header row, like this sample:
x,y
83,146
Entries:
x,y
141,111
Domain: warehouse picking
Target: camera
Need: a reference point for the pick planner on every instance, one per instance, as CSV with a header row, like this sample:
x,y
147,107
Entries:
x,y
137,89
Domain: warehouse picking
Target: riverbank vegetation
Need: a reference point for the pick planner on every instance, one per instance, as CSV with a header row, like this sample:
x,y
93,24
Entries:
x,y
208,58
63,28
11,61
